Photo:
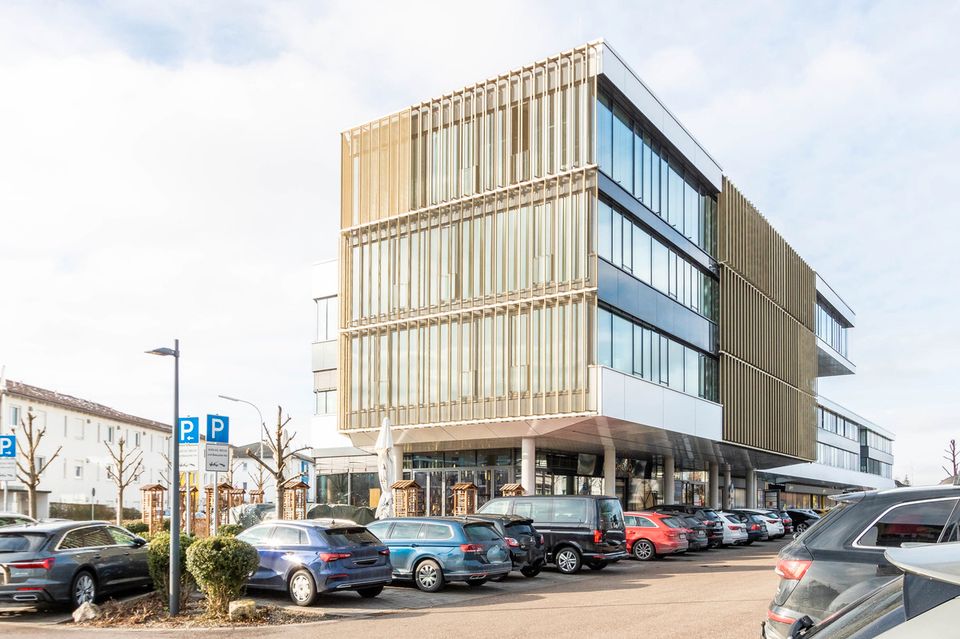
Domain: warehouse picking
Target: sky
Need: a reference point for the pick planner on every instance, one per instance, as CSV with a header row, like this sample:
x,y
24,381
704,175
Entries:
x,y
171,170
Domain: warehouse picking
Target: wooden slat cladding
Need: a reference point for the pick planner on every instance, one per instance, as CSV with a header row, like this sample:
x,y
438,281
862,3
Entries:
x,y
748,244
762,412
768,360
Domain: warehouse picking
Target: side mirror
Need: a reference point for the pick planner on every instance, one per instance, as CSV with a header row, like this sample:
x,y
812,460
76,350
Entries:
x,y
800,627
139,542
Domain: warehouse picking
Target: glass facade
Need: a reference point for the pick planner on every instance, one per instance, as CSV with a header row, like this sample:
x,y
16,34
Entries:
x,y
830,329
834,423
630,247
837,457
637,350
327,319
876,467
630,155
876,441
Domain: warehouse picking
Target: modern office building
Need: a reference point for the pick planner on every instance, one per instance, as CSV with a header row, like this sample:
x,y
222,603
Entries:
x,y
545,279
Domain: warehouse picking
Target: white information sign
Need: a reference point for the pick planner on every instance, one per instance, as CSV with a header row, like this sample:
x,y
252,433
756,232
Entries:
x,y
8,469
189,458
218,458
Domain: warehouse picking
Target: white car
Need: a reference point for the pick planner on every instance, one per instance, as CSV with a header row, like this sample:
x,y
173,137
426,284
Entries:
x,y
734,530
15,519
774,524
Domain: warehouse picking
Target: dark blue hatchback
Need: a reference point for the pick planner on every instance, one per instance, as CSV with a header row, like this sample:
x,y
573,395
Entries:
x,y
305,558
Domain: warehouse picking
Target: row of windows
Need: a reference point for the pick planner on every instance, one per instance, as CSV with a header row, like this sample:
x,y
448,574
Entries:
x,y
837,457
505,352
830,330
830,421
77,427
876,467
636,350
498,246
630,157
876,440
628,246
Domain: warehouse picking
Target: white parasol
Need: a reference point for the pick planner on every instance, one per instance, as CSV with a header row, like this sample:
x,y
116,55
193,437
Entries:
x,y
385,469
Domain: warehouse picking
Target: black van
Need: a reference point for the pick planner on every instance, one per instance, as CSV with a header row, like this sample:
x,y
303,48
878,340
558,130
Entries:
x,y
577,529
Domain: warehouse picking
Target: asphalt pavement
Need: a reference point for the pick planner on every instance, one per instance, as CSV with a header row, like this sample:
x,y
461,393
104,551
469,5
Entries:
x,y
717,594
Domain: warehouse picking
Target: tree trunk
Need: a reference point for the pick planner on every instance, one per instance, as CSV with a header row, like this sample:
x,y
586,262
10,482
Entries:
x,y
32,501
280,492
119,506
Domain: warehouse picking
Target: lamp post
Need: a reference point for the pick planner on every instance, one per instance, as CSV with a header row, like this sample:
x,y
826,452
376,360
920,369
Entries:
x,y
263,424
174,594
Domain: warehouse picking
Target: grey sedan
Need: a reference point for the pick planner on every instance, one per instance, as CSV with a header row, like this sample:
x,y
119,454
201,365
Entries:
x,y
69,562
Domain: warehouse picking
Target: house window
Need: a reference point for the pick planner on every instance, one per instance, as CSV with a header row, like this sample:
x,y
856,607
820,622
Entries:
x,y
136,440
110,434
14,415
40,462
78,470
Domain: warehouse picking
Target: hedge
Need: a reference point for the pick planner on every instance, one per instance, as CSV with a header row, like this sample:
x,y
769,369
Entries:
x,y
158,563
221,566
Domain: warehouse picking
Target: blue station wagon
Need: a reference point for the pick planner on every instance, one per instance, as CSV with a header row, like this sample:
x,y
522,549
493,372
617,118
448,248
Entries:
x,y
305,558
434,550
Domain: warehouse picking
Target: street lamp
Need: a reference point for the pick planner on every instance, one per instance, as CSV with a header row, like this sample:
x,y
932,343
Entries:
x,y
174,594
262,423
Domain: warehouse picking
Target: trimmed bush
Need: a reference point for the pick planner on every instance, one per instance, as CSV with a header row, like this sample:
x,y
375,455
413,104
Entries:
x,y
158,563
229,530
136,527
221,567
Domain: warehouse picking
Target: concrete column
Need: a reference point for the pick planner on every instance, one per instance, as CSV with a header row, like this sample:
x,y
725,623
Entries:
x,y
669,487
751,488
528,465
727,488
713,479
610,471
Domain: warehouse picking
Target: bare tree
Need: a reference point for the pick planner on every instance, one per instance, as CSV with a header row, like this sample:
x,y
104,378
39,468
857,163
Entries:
x,y
281,450
164,474
952,458
126,469
29,472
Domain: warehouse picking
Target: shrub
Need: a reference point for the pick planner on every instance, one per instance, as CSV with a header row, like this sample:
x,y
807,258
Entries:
x,y
158,563
229,530
221,567
136,527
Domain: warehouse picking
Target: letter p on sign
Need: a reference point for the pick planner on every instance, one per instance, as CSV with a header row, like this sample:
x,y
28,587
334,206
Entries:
x,y
8,446
218,429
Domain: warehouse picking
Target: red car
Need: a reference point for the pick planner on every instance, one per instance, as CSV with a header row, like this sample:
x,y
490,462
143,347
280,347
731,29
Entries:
x,y
651,535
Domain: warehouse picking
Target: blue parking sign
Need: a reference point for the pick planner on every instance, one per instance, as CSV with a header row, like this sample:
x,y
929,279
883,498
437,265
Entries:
x,y
189,430
218,429
8,446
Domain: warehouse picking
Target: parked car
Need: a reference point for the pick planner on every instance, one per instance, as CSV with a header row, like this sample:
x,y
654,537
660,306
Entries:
x,y
696,531
308,557
652,535
708,516
770,519
756,527
69,562
786,520
15,519
923,602
527,546
577,529
802,518
434,550
842,558
734,530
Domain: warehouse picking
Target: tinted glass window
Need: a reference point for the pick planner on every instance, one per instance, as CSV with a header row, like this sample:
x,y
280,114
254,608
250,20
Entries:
x,y
535,509
708,514
643,522
256,535
350,537
673,522
570,510
519,529
21,542
86,538
121,537
921,522
496,507
858,615
610,513
288,536
9,520
405,530
379,528
629,520
481,532
436,531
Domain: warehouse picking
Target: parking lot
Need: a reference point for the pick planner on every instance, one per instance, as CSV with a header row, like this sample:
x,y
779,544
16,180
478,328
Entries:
x,y
717,594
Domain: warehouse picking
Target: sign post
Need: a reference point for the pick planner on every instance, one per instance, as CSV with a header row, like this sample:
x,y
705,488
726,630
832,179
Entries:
x,y
189,440
217,459
8,463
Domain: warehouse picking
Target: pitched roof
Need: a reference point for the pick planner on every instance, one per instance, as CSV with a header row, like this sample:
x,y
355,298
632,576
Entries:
x,y
26,391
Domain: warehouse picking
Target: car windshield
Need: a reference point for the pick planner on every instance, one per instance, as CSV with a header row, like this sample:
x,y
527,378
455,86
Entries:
x,y
481,532
21,542
673,522
350,537
850,620
709,514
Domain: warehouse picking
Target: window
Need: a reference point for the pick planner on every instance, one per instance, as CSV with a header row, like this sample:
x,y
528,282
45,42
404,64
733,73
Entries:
x,y
327,320
350,537
89,537
496,507
110,434
14,416
643,522
570,511
405,530
622,149
604,135
78,470
41,461
288,536
481,532
257,535
435,532
121,537
136,439
920,522
326,402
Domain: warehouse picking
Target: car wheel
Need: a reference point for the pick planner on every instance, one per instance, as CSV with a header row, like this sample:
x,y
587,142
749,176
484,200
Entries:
x,y
428,576
476,583
643,550
597,565
371,592
531,571
303,591
568,561
83,589
802,527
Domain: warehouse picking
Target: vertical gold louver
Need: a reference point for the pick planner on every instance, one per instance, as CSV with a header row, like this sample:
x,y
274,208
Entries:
x,y
768,361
